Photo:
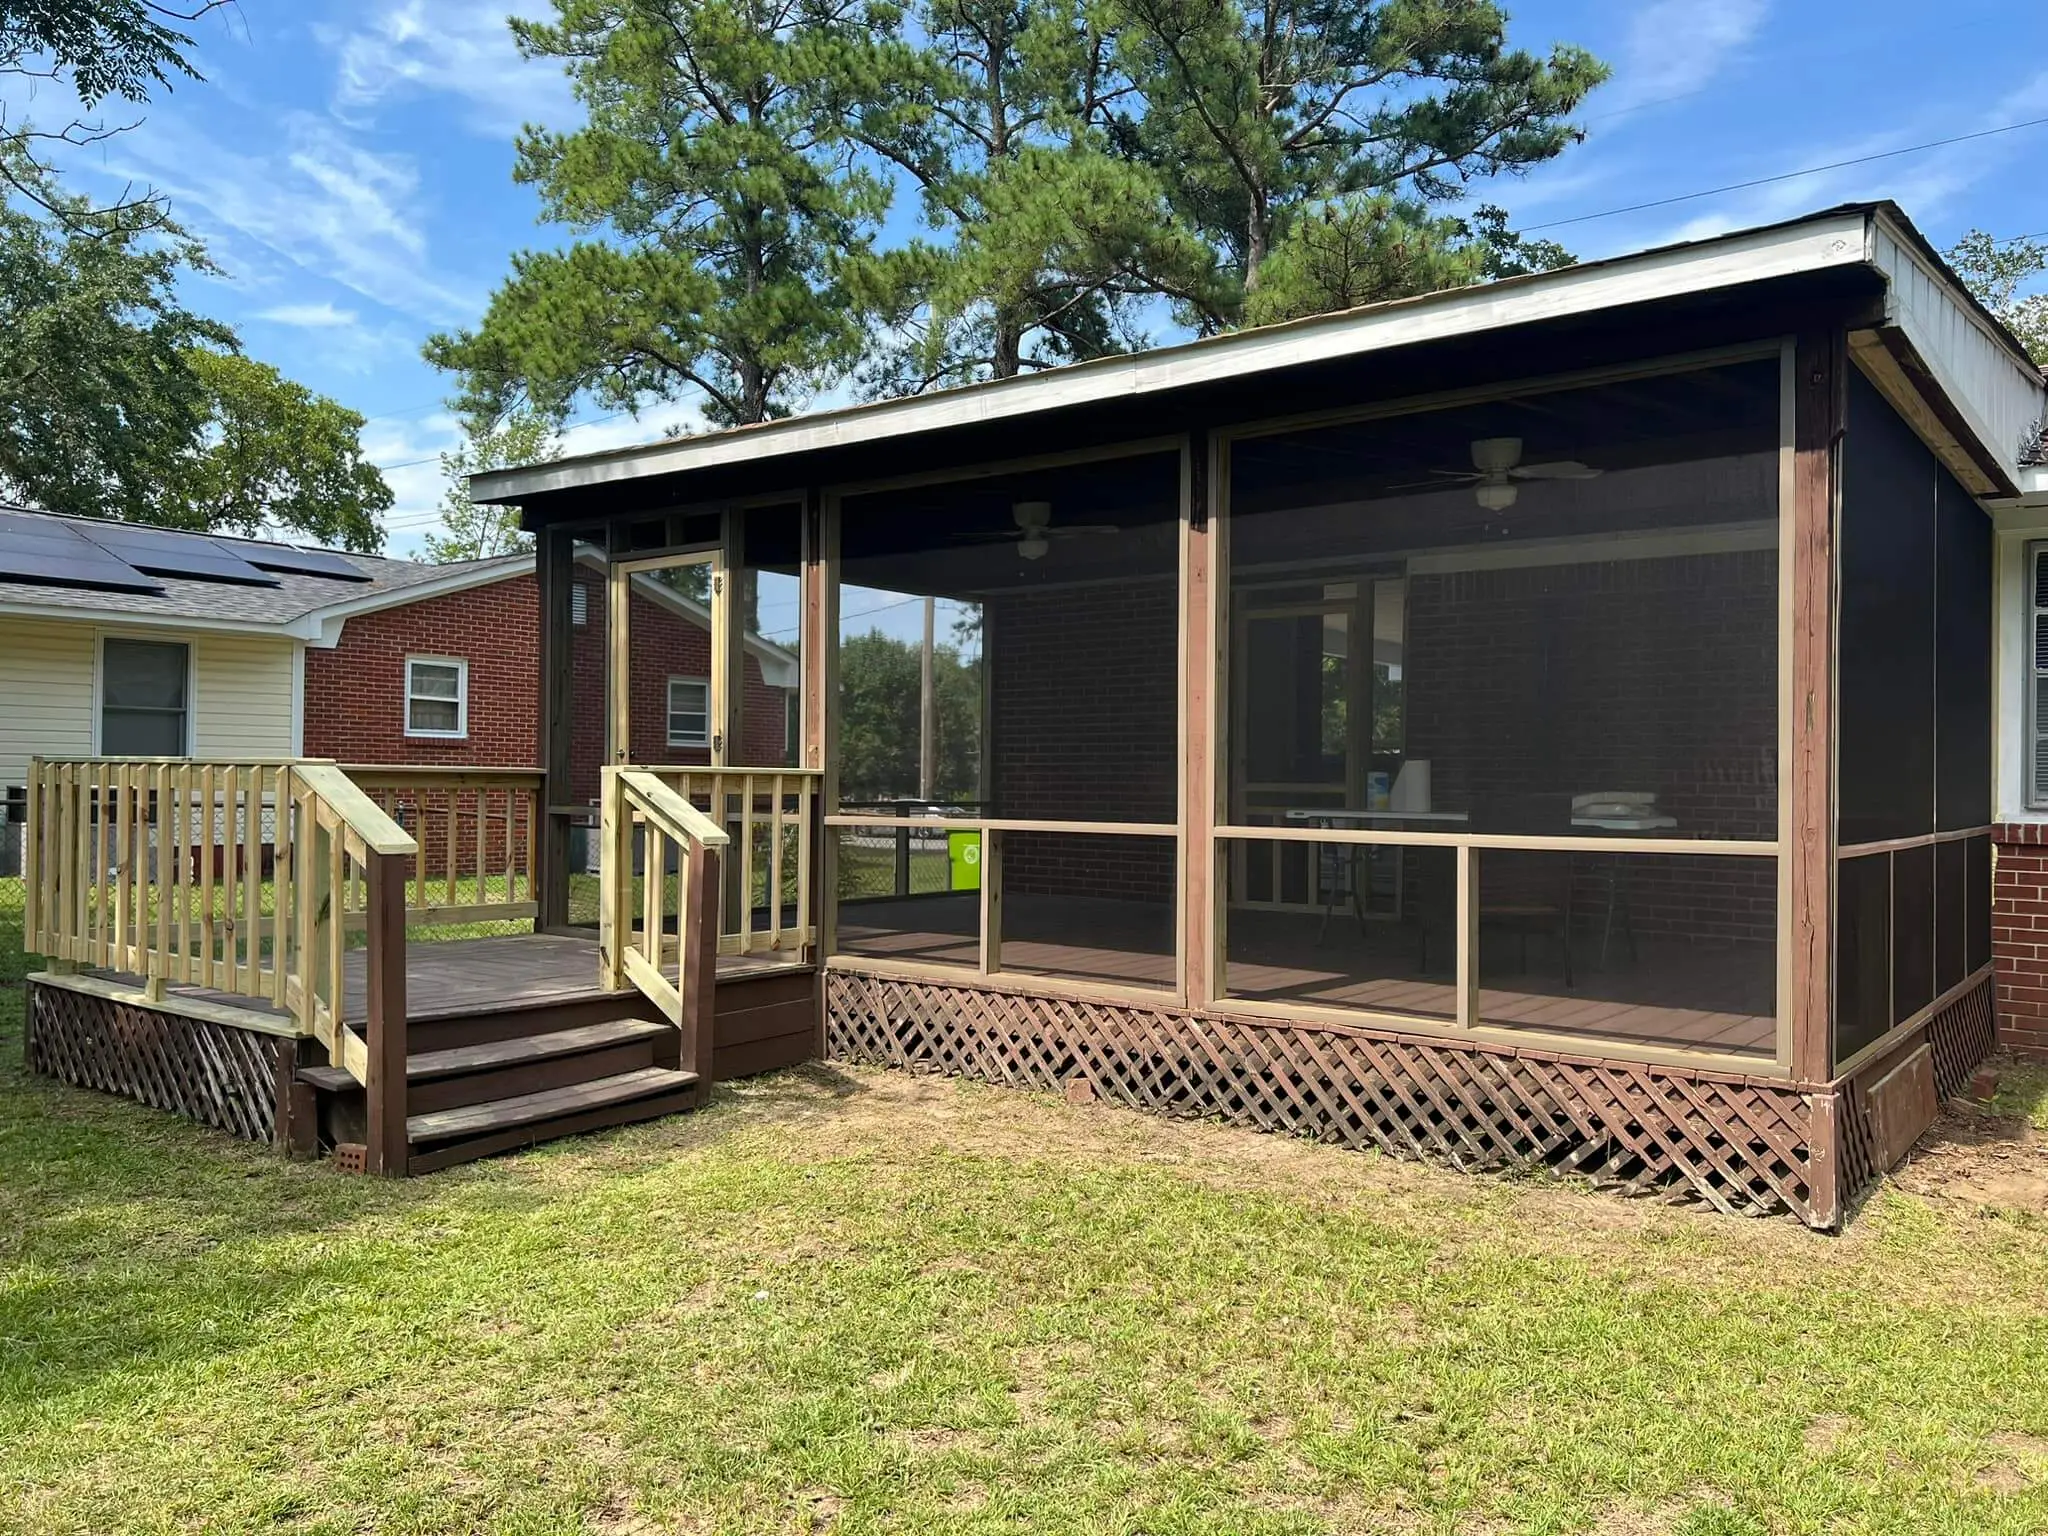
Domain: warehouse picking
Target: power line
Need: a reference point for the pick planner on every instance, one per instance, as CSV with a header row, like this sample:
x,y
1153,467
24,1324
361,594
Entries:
x,y
1811,170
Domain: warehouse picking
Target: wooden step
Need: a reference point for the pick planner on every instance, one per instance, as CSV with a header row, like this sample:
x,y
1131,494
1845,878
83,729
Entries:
x,y
493,1055
533,1109
519,1050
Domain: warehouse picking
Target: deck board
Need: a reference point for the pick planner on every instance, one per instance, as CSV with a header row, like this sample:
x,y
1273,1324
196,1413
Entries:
x,y
460,977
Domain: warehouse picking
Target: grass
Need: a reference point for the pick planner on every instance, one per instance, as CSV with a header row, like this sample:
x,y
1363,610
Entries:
x,y
866,1302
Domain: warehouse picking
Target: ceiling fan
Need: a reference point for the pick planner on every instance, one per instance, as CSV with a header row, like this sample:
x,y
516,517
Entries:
x,y
1497,467
1034,531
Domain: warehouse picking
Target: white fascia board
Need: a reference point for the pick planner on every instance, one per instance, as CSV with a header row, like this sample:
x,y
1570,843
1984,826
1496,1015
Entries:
x,y
1998,393
125,618
1823,242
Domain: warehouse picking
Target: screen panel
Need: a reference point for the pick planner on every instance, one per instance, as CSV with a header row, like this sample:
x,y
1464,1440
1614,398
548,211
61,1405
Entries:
x,y
1951,914
1977,905
1863,961
1886,667
1913,922
1962,663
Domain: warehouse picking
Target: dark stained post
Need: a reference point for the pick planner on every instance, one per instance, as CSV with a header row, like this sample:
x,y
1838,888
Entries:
x,y
699,944
555,569
1819,402
1199,669
384,895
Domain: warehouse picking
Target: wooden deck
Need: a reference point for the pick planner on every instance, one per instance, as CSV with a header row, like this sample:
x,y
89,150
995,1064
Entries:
x,y
463,977
1718,998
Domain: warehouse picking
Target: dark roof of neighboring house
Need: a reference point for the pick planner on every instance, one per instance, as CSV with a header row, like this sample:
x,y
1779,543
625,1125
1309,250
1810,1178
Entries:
x,y
295,597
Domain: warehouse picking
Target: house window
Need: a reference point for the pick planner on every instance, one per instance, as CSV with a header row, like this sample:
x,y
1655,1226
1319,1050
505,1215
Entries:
x,y
2037,675
579,604
436,696
689,712
145,697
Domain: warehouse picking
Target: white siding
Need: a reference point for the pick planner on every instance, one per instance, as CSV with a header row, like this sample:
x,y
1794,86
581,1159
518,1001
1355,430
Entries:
x,y
46,693
243,688
242,692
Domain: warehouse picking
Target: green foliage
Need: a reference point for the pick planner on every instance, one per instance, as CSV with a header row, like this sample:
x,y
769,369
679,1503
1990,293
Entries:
x,y
880,692
732,247
1358,251
99,49
275,453
1260,114
117,401
1997,271
470,531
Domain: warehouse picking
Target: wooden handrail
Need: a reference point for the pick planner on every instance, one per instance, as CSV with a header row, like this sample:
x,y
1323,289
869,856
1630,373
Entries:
x,y
770,817
639,955
478,831
231,876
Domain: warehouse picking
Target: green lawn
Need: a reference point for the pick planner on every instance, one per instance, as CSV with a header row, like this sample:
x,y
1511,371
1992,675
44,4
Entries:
x,y
866,1302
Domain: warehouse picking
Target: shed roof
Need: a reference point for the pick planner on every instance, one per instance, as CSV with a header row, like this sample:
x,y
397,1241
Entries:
x,y
1970,360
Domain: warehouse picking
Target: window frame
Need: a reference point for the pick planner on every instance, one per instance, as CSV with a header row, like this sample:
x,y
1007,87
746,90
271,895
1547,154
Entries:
x,y
668,713
190,709
461,666
2032,795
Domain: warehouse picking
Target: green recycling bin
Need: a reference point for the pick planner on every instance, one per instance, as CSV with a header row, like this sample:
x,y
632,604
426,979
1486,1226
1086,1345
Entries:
x,y
963,857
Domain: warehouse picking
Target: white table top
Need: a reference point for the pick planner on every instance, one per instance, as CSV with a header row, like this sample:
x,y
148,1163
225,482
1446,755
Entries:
x,y
1332,816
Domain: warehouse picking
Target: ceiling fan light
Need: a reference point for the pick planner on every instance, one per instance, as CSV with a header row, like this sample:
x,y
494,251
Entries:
x,y
1033,548
1496,455
1496,495
1031,515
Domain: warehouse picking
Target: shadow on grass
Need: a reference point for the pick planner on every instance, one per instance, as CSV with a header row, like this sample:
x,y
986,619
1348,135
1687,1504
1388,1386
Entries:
x,y
2023,1092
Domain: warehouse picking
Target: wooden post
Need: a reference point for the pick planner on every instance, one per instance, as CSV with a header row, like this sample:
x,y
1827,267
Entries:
x,y
556,569
1819,407
699,945
990,957
928,707
614,880
1819,400
1200,673
384,1081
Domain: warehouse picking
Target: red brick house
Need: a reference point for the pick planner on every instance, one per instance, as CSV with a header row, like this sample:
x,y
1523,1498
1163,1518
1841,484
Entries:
x,y
445,673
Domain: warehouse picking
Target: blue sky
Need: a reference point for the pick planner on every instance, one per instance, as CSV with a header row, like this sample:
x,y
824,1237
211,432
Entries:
x,y
348,162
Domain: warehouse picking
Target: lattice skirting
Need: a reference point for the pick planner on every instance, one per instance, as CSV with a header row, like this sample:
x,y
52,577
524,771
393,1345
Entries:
x,y
214,1073
1739,1145
1961,1036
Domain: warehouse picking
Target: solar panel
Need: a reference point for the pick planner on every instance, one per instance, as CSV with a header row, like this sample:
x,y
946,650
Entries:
x,y
36,549
163,552
301,562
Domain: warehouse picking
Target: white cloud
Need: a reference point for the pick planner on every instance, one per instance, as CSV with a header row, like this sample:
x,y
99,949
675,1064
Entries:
x,y
310,317
316,200
1674,47
460,49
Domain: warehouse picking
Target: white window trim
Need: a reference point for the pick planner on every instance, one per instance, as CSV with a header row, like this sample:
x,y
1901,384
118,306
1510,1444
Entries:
x,y
99,681
461,666
668,713
2032,674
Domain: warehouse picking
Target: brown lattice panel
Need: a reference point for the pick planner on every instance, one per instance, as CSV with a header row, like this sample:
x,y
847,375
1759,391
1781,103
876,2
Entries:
x,y
215,1073
1961,1035
1738,1145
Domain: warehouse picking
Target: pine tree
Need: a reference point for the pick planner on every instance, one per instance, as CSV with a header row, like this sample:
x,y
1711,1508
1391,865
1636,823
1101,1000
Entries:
x,y
730,247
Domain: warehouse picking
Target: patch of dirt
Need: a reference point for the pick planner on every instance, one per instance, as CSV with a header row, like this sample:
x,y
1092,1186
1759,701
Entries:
x,y
2019,1462
1978,1158
1825,1433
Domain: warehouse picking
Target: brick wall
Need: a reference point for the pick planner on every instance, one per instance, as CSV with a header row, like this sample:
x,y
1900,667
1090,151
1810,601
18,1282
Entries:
x,y
1084,700
1655,675
2019,935
355,693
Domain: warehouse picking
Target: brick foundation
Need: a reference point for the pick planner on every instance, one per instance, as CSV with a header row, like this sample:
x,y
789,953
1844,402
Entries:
x,y
2019,935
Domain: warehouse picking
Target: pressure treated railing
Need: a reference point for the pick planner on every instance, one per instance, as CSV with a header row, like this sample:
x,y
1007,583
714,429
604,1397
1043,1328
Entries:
x,y
478,831
769,815
231,877
664,944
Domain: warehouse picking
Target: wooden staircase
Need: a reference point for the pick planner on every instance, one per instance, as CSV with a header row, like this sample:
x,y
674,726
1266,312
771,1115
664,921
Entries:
x,y
494,1082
